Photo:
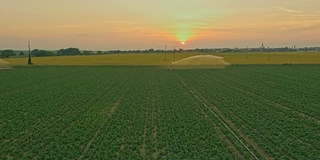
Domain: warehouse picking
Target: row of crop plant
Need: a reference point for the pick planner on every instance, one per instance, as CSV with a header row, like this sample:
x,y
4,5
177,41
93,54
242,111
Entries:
x,y
278,130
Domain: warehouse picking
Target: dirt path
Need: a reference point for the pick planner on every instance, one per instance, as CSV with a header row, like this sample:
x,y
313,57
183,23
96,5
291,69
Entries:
x,y
217,128
112,110
227,123
143,145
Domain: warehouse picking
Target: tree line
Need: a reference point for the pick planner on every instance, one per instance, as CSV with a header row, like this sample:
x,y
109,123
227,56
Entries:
x,y
75,51
40,53
9,53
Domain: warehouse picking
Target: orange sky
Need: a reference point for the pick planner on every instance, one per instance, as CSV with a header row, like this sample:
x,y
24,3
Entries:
x,y
143,24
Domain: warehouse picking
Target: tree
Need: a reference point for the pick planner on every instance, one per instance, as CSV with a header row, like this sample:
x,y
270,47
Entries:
x,y
69,51
21,53
86,52
34,51
41,53
99,52
7,53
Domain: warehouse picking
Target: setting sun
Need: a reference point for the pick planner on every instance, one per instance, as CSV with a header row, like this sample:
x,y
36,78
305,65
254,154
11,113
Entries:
x,y
183,43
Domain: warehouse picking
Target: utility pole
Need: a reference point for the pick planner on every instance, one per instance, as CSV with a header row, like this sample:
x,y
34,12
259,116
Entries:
x,y
174,54
165,52
268,53
29,60
247,52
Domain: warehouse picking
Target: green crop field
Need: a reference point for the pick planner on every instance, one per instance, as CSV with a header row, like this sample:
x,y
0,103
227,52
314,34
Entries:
x,y
126,112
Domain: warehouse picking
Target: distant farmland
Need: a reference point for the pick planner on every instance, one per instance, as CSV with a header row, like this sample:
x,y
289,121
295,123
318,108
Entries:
x,y
145,112
158,59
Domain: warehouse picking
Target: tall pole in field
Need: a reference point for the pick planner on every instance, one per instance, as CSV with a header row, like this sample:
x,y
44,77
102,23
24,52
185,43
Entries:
x,y
247,52
29,60
268,54
165,53
174,54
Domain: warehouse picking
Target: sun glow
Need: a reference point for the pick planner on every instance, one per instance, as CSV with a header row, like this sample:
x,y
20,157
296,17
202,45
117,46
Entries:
x,y
183,32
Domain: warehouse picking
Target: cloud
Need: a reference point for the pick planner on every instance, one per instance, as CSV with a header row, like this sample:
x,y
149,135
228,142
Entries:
x,y
300,15
70,26
290,11
104,28
91,24
302,28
